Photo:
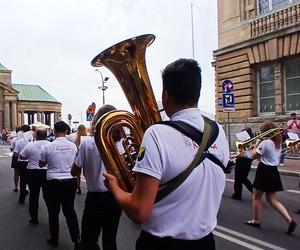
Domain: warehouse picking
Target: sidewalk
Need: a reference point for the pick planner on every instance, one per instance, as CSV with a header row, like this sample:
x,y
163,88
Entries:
x,y
291,167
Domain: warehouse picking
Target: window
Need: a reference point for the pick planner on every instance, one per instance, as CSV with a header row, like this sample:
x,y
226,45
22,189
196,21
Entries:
x,y
264,6
292,85
266,89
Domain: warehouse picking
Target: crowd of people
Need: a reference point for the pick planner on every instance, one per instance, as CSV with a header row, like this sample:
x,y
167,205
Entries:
x,y
163,163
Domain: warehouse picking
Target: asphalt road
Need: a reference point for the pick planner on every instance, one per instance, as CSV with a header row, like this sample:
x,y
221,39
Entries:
x,y
231,233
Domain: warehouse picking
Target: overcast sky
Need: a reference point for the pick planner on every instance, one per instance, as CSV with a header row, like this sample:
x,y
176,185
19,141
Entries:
x,y
52,42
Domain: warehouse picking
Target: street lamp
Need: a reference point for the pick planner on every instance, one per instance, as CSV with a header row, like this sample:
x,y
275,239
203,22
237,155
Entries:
x,y
192,22
103,87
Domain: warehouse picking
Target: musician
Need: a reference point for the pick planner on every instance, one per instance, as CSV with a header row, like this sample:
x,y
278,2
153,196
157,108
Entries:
x,y
242,168
267,179
186,217
14,160
22,164
101,211
60,187
36,176
81,131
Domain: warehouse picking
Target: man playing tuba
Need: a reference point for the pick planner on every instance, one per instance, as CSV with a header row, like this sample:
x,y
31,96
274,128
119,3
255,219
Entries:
x,y
186,217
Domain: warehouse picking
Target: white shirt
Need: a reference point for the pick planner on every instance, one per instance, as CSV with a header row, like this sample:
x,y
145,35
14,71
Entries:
x,y
21,143
32,151
13,143
59,155
269,155
190,211
89,158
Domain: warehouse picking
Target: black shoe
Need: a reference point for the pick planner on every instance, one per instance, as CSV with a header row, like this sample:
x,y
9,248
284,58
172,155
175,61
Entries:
x,y
78,191
15,190
33,221
297,211
235,197
252,224
26,192
77,245
292,227
22,202
53,243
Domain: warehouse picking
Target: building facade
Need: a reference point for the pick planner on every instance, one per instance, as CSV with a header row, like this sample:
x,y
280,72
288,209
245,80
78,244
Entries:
x,y
259,51
24,104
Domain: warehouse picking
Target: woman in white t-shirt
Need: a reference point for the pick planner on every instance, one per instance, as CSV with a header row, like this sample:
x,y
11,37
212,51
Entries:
x,y
267,179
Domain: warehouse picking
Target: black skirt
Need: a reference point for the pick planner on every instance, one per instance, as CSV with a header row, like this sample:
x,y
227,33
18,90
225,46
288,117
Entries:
x,y
14,162
267,179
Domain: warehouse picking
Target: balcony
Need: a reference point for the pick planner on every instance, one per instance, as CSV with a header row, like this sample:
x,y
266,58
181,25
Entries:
x,y
275,21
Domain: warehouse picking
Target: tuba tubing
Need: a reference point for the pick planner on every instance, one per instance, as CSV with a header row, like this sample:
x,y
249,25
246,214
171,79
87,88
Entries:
x,y
126,60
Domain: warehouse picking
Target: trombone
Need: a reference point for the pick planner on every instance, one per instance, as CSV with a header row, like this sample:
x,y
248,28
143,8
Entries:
x,y
290,146
249,144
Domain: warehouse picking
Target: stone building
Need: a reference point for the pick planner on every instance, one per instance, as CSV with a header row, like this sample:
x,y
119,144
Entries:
x,y
259,51
24,104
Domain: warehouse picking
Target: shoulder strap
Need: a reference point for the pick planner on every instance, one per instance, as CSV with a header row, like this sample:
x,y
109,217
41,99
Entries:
x,y
171,185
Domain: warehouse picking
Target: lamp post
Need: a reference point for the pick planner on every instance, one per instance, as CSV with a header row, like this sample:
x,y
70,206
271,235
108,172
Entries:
x,y
192,22
103,87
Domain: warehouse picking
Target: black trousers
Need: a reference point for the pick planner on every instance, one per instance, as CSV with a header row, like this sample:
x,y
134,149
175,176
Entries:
x,y
101,212
36,180
242,168
22,166
61,193
147,241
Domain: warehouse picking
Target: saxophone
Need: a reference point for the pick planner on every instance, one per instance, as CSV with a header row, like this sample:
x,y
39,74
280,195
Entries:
x,y
126,60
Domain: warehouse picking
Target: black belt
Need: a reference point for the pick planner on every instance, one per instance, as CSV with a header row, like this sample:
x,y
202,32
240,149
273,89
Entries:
x,y
61,180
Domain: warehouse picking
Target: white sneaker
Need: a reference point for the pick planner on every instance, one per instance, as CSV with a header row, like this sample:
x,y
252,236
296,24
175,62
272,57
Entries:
x,y
281,165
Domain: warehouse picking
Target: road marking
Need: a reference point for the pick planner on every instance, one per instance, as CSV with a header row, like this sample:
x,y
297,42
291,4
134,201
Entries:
x,y
249,238
293,191
234,240
230,180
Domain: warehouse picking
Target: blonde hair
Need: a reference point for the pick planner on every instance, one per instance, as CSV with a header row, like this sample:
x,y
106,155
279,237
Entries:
x,y
81,131
277,139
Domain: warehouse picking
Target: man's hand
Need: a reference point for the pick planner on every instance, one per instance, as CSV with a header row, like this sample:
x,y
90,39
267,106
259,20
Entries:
x,y
110,181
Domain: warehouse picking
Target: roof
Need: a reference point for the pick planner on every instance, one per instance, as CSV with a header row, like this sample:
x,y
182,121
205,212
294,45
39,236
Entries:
x,y
2,68
33,93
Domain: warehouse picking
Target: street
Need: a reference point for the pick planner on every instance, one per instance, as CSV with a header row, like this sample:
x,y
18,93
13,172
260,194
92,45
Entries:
x,y
231,233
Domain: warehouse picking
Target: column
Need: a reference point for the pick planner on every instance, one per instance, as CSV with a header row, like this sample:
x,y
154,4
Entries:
x,y
7,116
47,118
38,116
42,117
55,117
22,118
1,120
279,93
14,115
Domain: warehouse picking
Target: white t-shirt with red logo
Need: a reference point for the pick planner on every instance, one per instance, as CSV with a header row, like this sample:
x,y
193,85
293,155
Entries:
x,y
190,211
60,155
32,151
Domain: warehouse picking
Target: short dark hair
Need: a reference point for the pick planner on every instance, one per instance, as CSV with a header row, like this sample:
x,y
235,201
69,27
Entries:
x,y
61,127
182,80
292,114
41,134
25,128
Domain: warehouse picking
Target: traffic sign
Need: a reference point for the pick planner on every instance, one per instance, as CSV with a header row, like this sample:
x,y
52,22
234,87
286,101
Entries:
x,y
89,117
227,86
228,102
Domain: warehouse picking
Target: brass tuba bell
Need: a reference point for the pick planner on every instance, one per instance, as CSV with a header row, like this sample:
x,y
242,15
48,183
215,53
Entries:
x,y
126,60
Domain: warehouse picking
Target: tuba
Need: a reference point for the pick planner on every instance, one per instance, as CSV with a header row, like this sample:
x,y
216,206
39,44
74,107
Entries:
x,y
126,60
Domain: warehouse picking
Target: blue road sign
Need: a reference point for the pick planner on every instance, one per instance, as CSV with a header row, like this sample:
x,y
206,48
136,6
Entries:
x,y
89,116
228,102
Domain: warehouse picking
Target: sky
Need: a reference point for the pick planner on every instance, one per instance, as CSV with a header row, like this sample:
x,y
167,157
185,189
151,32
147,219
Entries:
x,y
51,43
